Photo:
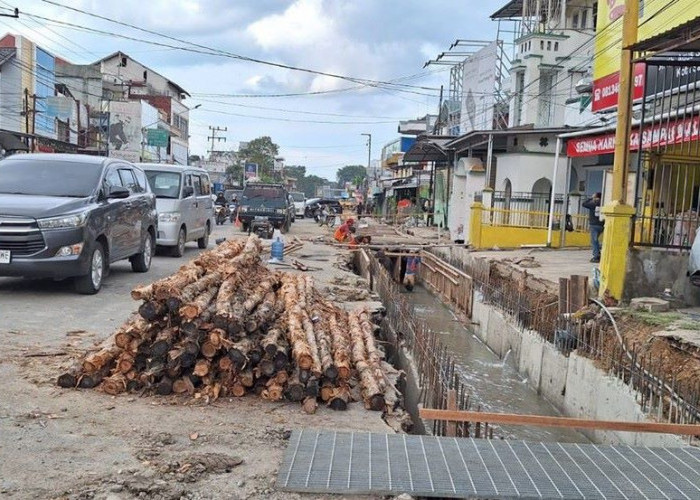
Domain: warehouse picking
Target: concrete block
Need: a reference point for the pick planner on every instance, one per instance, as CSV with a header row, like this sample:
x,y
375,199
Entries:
x,y
553,376
530,362
651,304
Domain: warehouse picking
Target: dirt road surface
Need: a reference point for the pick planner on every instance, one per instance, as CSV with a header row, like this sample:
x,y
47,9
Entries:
x,y
57,443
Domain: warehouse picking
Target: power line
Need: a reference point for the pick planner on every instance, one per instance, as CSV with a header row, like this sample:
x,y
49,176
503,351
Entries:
x,y
214,51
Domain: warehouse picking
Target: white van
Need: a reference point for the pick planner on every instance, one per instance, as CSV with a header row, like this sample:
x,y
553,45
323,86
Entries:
x,y
299,203
184,204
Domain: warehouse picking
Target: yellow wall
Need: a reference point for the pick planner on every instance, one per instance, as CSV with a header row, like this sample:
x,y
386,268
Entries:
x,y
515,237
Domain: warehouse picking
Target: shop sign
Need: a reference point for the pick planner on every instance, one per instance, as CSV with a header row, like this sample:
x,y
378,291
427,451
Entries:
x,y
667,134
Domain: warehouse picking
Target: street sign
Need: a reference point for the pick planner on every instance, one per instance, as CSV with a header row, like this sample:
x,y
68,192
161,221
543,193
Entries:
x,y
157,137
251,170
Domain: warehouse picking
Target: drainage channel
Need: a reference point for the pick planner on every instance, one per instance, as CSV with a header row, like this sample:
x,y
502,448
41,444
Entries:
x,y
494,383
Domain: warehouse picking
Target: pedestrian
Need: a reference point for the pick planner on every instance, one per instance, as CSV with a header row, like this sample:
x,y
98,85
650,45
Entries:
x,y
595,224
359,209
412,263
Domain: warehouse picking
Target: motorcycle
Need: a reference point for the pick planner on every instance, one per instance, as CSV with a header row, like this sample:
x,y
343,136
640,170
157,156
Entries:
x,y
222,213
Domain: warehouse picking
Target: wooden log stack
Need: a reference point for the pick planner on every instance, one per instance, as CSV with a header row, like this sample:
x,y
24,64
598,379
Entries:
x,y
225,325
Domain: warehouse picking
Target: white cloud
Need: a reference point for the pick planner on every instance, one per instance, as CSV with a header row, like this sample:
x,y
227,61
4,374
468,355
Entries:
x,y
302,24
254,81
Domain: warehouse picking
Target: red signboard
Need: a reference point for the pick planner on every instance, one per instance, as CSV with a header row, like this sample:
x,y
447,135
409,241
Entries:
x,y
666,134
607,89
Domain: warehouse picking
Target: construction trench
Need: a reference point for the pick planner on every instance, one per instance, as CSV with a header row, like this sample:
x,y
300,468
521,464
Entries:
x,y
468,338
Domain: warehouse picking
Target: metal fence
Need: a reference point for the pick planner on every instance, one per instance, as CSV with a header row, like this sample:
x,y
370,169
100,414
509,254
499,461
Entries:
x,y
531,210
667,399
440,384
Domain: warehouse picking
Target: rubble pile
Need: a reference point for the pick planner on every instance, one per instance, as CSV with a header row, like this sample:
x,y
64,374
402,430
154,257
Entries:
x,y
225,325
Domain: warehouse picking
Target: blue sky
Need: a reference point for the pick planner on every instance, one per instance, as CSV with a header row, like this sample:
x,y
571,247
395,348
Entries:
x,y
377,40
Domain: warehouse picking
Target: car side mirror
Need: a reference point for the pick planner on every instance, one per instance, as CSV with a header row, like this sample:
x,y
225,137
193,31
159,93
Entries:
x,y
187,191
117,192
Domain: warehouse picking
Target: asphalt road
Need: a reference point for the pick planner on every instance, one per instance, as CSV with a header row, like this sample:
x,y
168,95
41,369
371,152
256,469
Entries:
x,y
41,312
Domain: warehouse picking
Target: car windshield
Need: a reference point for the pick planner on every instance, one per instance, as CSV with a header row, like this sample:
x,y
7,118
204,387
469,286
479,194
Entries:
x,y
298,197
264,196
164,184
49,178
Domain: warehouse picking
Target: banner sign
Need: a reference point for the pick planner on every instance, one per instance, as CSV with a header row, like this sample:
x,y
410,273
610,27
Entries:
x,y
607,89
654,18
251,170
665,134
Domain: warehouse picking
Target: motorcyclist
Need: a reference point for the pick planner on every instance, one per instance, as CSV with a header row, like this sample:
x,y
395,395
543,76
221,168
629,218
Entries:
x,y
221,199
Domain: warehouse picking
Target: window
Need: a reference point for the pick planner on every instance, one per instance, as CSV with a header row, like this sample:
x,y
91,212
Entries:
x,y
145,76
549,45
128,180
546,98
541,44
197,185
112,179
206,187
574,21
556,46
584,19
141,179
122,63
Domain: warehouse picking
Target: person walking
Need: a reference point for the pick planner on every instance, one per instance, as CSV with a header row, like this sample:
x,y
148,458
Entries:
x,y
412,263
596,225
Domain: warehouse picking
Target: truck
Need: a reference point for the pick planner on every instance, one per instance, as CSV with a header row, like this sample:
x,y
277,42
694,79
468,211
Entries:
x,y
264,202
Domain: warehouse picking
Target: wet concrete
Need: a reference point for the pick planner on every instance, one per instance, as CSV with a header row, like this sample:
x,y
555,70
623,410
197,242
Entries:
x,y
495,383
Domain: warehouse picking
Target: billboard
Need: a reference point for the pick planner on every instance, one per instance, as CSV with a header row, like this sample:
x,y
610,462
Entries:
x,y
655,17
125,130
479,89
251,170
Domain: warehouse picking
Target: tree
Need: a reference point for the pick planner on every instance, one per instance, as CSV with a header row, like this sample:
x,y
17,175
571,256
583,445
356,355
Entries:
x,y
309,184
296,171
351,173
263,152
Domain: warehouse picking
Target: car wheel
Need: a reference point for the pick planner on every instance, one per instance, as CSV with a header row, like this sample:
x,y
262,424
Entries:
x,y
203,242
141,262
90,283
179,249
244,227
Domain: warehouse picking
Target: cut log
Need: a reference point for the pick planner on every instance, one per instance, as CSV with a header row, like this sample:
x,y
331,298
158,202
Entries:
x,y
267,367
208,350
239,352
164,387
142,292
238,389
114,384
193,309
202,368
309,405
70,378
183,385
163,343
152,310
125,362
339,399
246,378
340,339
99,360
295,389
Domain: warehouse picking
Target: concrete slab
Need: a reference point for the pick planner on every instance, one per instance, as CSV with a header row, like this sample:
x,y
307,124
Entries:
x,y
651,304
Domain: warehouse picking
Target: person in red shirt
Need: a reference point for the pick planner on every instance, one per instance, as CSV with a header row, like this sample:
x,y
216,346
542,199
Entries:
x,y
343,233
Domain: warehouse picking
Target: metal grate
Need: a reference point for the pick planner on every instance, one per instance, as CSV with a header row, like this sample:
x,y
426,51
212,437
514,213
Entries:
x,y
386,464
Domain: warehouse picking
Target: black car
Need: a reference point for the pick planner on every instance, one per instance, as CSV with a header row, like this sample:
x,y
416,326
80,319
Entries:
x,y
334,207
70,216
265,202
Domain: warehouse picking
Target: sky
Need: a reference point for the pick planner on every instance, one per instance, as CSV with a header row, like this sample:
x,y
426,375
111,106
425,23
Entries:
x,y
377,40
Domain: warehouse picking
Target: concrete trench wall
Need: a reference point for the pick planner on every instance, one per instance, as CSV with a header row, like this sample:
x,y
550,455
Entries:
x,y
573,384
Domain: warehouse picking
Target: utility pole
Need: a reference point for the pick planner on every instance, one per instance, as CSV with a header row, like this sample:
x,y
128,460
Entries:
x,y
215,139
618,215
369,166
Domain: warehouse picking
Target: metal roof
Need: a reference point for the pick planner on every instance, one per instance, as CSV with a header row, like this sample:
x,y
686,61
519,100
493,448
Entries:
x,y
479,136
683,38
428,148
324,461
512,9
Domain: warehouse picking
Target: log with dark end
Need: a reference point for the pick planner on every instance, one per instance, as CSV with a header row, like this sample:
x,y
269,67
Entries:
x,y
152,310
339,402
376,402
164,387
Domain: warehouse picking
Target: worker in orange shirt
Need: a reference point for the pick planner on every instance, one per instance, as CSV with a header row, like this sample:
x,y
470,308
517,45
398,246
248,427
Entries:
x,y
343,233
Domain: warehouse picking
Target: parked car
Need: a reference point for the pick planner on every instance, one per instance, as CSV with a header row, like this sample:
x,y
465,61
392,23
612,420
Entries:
x,y
70,216
334,206
260,201
299,200
185,207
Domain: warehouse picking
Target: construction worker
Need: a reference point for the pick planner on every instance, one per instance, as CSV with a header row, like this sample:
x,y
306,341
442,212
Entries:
x,y
343,233
412,263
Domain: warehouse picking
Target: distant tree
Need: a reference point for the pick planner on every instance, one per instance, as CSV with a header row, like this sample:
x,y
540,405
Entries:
x,y
309,183
193,159
296,171
263,152
350,173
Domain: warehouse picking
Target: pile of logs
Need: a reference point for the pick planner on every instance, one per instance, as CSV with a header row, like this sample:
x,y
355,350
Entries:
x,y
225,325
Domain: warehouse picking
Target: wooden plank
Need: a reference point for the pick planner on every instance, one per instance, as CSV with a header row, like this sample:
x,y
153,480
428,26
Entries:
x,y
451,405
564,296
547,421
578,292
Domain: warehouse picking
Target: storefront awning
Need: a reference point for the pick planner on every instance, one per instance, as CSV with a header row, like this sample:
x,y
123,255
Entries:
x,y
683,38
428,148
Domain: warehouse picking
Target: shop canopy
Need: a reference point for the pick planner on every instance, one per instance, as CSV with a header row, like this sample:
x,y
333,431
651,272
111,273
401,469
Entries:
x,y
428,148
10,142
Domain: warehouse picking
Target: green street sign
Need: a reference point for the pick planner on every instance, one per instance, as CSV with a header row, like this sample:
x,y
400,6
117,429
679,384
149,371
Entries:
x,y
157,137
